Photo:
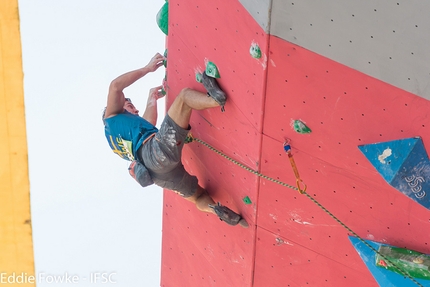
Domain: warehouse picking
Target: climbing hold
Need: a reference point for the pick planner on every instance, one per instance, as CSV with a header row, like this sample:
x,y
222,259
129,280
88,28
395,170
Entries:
x,y
404,164
247,200
212,70
300,127
164,85
414,264
411,261
255,51
165,58
162,18
199,77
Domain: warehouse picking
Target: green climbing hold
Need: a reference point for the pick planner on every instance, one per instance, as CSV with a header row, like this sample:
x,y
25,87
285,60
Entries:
x,y
163,91
163,18
247,200
199,77
414,263
212,70
300,127
165,60
255,51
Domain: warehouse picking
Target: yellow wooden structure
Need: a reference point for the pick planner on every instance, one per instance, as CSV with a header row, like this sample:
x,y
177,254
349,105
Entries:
x,y
16,246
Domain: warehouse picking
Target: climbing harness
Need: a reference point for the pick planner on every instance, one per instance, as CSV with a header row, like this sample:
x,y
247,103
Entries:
x,y
302,190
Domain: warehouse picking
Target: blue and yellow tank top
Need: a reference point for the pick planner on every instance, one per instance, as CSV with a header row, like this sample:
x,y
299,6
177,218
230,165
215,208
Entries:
x,y
125,133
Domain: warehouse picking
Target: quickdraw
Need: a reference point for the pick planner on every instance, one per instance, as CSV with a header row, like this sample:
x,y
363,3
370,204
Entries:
x,y
299,181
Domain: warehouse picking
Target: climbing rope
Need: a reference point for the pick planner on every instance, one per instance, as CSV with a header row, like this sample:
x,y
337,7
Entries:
x,y
287,149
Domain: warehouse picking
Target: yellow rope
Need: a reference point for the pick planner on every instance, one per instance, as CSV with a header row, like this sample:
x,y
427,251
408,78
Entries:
x,y
190,138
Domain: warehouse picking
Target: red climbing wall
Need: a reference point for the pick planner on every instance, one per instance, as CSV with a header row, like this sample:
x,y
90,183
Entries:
x,y
291,241
198,249
344,109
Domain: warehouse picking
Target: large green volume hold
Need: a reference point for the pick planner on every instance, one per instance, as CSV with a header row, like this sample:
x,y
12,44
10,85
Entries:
x,y
415,264
163,18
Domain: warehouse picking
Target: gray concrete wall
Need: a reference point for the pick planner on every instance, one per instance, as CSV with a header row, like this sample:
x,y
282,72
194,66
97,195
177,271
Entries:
x,y
260,10
388,40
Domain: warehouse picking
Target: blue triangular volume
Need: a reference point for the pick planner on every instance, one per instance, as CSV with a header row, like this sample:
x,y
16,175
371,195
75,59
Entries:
x,y
388,157
404,164
384,277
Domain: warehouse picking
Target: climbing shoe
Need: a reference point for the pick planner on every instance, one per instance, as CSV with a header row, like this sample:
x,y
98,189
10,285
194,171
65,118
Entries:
x,y
228,216
214,91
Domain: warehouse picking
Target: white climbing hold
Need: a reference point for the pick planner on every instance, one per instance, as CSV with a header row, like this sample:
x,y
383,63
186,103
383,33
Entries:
x,y
386,153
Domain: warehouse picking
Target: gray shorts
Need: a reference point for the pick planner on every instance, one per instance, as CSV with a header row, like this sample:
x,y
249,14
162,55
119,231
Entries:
x,y
162,157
